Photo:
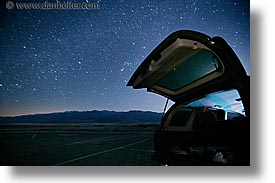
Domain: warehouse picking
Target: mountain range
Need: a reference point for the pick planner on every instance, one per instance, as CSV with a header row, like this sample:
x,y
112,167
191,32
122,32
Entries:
x,y
130,117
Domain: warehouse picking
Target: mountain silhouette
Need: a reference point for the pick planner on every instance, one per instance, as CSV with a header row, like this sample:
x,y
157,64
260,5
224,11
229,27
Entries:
x,y
133,117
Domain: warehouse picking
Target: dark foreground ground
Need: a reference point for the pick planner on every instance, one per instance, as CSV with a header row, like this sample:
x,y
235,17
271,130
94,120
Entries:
x,y
76,145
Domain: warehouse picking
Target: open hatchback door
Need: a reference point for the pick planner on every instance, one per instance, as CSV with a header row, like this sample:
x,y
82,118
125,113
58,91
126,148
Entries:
x,y
193,69
188,65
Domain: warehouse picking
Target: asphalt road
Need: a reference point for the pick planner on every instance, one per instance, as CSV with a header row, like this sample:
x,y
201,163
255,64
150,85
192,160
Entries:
x,y
96,148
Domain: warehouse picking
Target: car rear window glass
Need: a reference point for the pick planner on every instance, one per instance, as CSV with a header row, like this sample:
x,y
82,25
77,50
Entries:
x,y
196,67
181,117
228,101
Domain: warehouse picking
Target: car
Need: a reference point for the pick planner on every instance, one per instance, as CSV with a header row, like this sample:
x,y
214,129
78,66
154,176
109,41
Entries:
x,y
209,122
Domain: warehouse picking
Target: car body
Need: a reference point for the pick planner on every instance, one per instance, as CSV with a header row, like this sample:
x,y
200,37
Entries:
x,y
206,80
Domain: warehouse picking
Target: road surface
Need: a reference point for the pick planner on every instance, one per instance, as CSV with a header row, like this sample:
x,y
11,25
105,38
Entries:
x,y
81,148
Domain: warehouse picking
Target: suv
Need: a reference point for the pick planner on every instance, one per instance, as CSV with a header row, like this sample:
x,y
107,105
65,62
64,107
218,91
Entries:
x,y
209,122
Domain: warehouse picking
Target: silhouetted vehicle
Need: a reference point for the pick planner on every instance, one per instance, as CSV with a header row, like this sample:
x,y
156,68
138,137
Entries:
x,y
209,122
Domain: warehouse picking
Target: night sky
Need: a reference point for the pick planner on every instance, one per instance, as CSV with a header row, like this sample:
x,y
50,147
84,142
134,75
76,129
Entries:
x,y
63,60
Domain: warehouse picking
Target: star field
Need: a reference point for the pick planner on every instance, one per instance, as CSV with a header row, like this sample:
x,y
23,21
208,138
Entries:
x,y
59,60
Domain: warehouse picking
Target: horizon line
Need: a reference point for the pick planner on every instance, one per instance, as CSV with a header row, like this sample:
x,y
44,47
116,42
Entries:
x,y
41,113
